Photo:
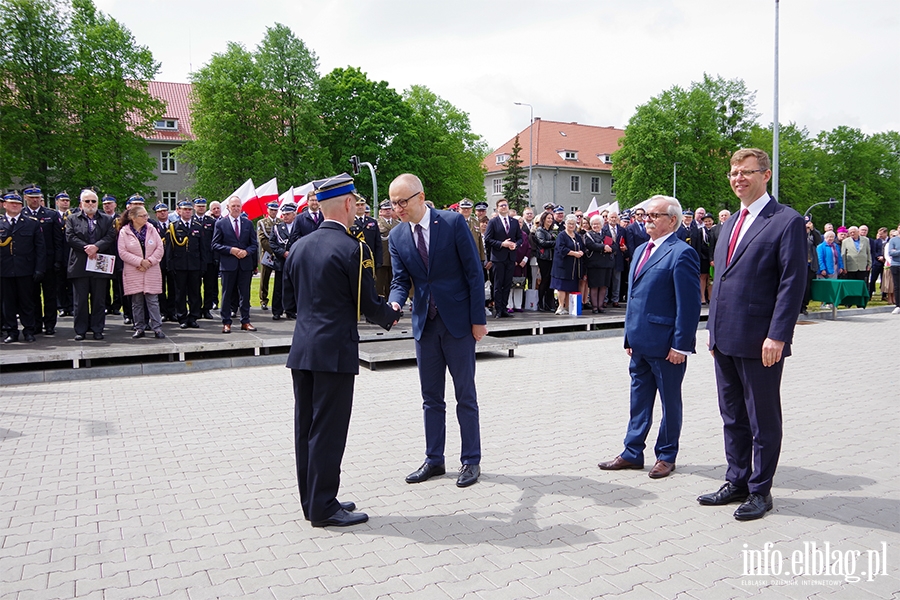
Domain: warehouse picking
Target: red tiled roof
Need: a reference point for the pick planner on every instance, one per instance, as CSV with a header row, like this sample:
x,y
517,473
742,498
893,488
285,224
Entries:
x,y
553,138
177,97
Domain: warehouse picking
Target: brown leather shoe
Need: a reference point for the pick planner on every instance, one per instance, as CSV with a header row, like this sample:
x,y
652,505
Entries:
x,y
661,469
618,464
226,328
247,327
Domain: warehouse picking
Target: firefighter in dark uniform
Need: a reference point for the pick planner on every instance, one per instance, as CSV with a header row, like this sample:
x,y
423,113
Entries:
x,y
333,274
187,260
365,229
167,297
54,245
284,233
22,260
209,277
63,285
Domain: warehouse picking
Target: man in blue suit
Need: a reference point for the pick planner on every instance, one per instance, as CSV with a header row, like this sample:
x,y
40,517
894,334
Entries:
x,y
502,238
433,251
660,332
234,239
761,264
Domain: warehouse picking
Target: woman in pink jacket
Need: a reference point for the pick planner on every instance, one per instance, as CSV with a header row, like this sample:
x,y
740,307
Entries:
x,y
141,249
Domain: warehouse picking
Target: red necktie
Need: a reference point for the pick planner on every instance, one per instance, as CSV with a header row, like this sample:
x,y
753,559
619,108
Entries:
x,y
643,260
237,230
734,236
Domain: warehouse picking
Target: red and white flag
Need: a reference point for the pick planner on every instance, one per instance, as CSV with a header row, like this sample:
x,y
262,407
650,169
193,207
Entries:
x,y
247,194
593,209
288,196
300,194
267,192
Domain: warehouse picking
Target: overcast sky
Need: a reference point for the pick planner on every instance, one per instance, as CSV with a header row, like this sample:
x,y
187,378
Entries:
x,y
587,61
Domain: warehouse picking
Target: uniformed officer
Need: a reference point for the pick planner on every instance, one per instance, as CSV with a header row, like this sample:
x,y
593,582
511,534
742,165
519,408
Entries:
x,y
209,277
266,262
22,263
54,245
465,209
63,285
284,233
365,228
481,210
383,273
187,259
324,356
167,297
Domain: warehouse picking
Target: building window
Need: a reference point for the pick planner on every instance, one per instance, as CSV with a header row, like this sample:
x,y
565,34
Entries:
x,y
595,185
571,155
170,199
575,184
167,162
502,158
605,158
167,125
612,186
498,186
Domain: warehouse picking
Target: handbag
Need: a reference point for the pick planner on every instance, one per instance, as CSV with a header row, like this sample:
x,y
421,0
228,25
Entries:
x,y
518,283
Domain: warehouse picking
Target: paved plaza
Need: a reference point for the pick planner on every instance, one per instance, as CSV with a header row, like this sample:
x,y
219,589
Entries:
x,y
183,486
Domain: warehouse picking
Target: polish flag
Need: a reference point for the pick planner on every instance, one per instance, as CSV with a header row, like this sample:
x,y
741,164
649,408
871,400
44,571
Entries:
x,y
300,194
593,209
288,196
247,194
614,207
267,192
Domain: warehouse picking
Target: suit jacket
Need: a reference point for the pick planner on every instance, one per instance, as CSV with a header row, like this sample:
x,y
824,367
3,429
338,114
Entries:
x,y
281,241
185,250
54,236
635,235
618,240
367,227
496,234
856,260
306,222
663,308
224,240
22,247
453,277
330,297
78,236
760,293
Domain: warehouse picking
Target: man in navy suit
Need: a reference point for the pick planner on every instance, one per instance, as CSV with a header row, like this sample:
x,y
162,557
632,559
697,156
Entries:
x,y
234,239
310,219
660,332
433,251
502,238
760,277
334,276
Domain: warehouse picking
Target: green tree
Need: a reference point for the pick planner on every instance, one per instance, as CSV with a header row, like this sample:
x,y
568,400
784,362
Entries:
x,y
698,128
799,184
515,185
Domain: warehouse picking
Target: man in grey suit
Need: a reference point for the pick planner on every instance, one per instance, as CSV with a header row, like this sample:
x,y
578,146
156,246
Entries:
x,y
760,278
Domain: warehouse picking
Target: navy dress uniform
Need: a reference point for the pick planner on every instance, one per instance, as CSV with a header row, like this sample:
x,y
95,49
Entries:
x,y
266,267
281,239
187,259
22,261
63,285
333,274
209,277
54,243
167,298
365,229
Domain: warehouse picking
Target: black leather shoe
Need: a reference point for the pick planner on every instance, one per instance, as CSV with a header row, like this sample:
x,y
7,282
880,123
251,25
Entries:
x,y
49,331
79,337
276,317
290,316
755,507
159,335
425,472
128,320
183,325
727,494
194,325
29,337
98,336
206,315
342,518
468,474
137,334
348,506
10,339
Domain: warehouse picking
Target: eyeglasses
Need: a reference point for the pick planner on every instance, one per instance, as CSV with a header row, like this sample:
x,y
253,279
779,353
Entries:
x,y
744,173
655,216
89,201
404,202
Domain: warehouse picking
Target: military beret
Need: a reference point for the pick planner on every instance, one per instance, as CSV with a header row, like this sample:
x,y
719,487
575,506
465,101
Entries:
x,y
32,190
13,197
185,204
108,198
200,201
161,206
272,204
288,207
61,196
465,203
339,185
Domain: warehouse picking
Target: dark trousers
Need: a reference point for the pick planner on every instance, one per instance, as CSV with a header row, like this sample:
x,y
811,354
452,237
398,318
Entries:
x,y
750,405
17,299
545,294
436,352
322,404
807,293
503,274
209,276
877,271
648,376
383,275
288,295
235,293
63,291
858,275
45,312
277,293
114,299
264,273
89,303
187,292
895,273
167,298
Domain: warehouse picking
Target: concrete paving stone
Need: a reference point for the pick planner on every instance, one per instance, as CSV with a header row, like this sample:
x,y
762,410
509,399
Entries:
x,y
383,589
242,558
148,589
63,591
88,584
514,590
199,582
310,589
227,589
260,583
472,584
323,572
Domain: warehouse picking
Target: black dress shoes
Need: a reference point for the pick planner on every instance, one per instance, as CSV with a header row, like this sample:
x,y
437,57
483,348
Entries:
x,y
79,337
755,507
468,474
183,325
206,315
137,334
727,494
348,506
49,331
29,337
98,336
425,472
10,339
159,335
618,464
276,317
342,518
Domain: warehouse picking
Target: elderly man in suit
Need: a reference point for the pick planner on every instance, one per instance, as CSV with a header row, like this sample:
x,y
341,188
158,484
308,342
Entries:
x,y
234,239
324,356
616,233
857,254
502,238
433,251
660,332
761,263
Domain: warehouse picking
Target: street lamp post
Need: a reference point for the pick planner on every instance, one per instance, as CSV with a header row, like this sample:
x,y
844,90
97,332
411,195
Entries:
x,y
775,170
675,178
844,210
530,146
